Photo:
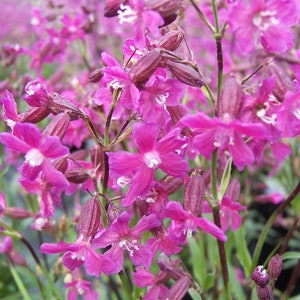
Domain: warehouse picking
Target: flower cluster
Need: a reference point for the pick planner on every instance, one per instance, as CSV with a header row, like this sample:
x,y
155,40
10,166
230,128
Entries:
x,y
138,131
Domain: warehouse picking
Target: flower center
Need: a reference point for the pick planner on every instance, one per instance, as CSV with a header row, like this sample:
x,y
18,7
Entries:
x,y
129,245
264,19
152,159
126,14
34,157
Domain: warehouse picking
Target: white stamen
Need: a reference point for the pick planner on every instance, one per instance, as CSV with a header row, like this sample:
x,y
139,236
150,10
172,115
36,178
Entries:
x,y
297,113
162,98
152,159
123,181
34,157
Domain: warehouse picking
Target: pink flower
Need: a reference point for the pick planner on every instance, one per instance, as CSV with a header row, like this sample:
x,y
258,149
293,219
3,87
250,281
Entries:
x,y
39,150
222,134
152,155
81,251
183,223
121,237
72,27
141,18
229,208
80,287
263,21
6,246
155,283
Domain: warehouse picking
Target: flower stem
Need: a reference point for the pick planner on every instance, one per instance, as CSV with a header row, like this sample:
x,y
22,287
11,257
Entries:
x,y
222,255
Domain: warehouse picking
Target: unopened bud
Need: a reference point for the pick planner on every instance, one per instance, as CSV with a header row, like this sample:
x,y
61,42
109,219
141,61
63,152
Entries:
x,y
260,276
58,125
185,73
171,184
77,176
194,195
89,218
96,75
34,115
275,267
264,293
145,66
179,289
171,40
60,104
230,100
17,212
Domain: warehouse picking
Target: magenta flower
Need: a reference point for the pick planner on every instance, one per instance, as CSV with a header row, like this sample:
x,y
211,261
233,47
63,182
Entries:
x,y
229,208
222,134
7,247
141,18
39,150
116,76
183,223
80,287
263,21
121,237
152,155
81,251
288,117
159,93
155,283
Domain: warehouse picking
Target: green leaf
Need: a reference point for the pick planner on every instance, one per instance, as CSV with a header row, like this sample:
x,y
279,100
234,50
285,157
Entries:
x,y
198,260
225,179
290,255
242,250
194,294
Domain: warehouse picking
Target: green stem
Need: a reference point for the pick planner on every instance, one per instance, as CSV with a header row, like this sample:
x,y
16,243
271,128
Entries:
x,y
203,17
270,223
214,189
222,255
19,282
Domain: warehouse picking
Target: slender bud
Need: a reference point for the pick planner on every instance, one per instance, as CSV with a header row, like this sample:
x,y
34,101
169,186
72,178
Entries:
x,y
185,73
171,184
58,125
179,289
194,195
260,276
17,212
34,115
60,104
230,100
89,219
96,75
145,66
264,293
275,267
171,40
77,176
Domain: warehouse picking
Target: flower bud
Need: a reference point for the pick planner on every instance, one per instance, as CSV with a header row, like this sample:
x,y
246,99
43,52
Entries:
x,y
145,66
185,73
96,75
17,212
179,288
60,104
264,293
275,267
89,219
34,115
171,40
77,176
194,195
230,100
260,276
171,184
58,125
